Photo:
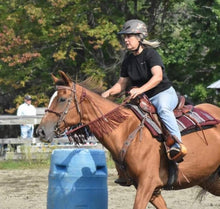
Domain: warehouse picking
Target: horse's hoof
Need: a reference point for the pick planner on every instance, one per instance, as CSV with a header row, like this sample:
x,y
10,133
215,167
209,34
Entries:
x,y
122,182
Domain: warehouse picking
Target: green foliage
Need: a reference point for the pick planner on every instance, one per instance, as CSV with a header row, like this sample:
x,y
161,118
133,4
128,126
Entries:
x,y
80,37
92,70
192,55
199,93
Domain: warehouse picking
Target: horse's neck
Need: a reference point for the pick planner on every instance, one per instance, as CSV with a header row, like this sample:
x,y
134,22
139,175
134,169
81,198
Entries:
x,y
105,120
96,106
111,123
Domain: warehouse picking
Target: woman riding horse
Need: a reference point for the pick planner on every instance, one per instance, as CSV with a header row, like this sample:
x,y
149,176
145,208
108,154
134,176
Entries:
x,y
145,162
145,69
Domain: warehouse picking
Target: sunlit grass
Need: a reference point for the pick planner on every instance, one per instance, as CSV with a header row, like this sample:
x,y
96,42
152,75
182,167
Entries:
x,y
24,164
40,163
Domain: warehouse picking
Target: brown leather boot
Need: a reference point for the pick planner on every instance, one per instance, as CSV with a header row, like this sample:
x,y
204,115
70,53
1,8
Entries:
x,y
177,152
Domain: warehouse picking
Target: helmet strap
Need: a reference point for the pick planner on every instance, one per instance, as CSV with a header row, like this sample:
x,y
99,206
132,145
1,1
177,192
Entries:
x,y
137,49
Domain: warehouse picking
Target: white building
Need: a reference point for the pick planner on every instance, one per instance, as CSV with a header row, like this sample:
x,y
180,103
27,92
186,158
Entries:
x,y
215,85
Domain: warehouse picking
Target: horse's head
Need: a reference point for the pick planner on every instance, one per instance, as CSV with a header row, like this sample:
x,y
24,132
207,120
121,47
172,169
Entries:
x,y
63,103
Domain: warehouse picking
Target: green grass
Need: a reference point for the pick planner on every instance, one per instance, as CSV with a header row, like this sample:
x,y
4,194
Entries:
x,y
40,163
109,161
24,164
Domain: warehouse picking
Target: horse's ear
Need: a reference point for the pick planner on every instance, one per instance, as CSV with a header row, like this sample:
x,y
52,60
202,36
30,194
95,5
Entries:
x,y
55,79
65,78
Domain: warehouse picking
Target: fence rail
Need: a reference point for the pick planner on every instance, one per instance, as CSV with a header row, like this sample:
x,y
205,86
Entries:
x,y
17,120
62,142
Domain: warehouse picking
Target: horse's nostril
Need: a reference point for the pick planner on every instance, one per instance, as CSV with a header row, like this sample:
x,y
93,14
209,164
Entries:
x,y
40,132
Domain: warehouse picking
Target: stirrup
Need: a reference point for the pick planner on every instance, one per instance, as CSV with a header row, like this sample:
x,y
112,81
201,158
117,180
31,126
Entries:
x,y
177,154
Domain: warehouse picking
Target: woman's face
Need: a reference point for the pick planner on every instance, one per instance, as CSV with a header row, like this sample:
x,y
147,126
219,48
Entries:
x,y
131,41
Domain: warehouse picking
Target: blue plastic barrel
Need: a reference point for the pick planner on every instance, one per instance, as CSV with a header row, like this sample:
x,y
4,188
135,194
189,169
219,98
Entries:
x,y
77,179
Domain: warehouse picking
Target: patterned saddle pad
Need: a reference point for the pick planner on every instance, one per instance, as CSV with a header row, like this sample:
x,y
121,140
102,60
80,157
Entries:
x,y
193,120
189,122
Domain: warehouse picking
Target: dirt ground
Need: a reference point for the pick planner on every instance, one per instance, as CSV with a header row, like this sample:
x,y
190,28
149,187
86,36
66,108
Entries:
x,y
27,189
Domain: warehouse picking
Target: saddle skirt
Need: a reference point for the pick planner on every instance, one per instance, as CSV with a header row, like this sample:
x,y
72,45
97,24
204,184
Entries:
x,y
189,118
195,120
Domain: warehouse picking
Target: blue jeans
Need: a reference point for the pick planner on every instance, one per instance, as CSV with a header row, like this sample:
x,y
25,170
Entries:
x,y
165,102
27,131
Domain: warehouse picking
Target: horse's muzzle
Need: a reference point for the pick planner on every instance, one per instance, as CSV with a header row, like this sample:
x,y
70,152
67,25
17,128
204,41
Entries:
x,y
43,137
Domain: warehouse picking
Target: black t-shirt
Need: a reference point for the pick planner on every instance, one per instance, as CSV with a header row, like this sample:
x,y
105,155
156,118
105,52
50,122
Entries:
x,y
138,69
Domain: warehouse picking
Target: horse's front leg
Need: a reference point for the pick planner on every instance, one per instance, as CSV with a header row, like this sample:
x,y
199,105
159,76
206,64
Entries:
x,y
145,190
157,200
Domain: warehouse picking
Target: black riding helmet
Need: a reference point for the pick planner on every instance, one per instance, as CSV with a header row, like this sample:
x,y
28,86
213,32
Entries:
x,y
135,26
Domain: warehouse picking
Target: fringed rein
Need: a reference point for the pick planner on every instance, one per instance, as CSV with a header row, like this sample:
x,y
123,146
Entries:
x,y
102,125
108,122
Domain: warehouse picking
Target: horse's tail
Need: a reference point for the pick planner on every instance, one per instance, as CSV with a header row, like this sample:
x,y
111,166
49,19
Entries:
x,y
209,184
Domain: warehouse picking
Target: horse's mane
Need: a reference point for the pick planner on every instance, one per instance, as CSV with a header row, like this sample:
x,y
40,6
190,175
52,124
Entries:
x,y
109,121
93,84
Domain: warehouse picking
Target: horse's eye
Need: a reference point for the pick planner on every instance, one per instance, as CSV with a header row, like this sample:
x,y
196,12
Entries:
x,y
62,99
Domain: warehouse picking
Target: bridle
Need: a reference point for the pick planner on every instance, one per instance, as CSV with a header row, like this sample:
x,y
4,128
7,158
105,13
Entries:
x,y
62,115
77,103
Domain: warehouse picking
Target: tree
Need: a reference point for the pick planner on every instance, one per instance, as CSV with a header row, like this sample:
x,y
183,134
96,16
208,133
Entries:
x,y
193,53
42,37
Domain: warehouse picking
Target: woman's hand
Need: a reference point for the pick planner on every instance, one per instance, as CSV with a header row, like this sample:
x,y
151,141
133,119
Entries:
x,y
117,88
106,94
154,81
134,92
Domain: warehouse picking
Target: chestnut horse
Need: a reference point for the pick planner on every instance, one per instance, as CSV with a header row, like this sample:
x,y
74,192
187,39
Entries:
x,y
146,160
